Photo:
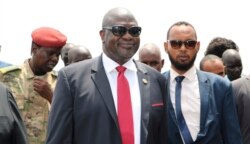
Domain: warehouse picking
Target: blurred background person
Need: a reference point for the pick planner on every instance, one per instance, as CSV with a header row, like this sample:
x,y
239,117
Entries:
x,y
212,63
78,53
218,45
150,54
233,64
241,89
64,52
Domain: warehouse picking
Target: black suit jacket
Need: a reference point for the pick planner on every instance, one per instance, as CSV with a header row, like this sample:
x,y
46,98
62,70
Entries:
x,y
241,88
12,129
83,110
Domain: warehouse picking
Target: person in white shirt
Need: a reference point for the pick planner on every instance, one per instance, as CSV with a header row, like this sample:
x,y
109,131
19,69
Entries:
x,y
86,106
202,109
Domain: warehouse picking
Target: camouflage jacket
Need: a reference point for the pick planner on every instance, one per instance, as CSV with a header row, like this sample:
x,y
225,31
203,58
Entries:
x,y
33,107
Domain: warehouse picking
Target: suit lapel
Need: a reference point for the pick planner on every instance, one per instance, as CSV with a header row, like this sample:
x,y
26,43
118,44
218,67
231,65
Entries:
x,y
171,110
204,87
144,84
102,84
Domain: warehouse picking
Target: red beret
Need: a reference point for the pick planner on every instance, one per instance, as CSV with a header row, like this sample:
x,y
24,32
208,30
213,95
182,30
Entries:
x,y
48,37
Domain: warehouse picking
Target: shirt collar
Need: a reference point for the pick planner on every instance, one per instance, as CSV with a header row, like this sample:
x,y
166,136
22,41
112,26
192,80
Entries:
x,y
110,65
190,74
29,73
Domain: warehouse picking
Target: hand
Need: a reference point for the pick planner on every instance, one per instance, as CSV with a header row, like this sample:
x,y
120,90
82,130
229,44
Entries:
x,y
43,88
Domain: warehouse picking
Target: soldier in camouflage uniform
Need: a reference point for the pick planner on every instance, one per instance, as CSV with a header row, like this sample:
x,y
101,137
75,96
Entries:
x,y
33,82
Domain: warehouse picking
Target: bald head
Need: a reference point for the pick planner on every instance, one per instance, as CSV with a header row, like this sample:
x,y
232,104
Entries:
x,y
120,35
231,55
78,53
212,63
64,52
150,54
117,14
233,65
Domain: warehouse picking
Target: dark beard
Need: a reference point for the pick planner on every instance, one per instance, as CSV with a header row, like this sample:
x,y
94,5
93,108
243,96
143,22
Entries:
x,y
179,66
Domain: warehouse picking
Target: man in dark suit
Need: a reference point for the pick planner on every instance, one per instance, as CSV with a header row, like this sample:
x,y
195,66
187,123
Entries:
x,y
85,106
241,89
203,109
12,129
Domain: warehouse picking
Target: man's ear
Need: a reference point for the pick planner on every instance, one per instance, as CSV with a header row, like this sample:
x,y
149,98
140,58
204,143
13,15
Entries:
x,y
34,48
197,46
162,63
166,47
102,33
225,70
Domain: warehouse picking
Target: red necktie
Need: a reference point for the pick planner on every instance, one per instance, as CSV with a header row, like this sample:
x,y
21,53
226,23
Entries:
x,y
125,114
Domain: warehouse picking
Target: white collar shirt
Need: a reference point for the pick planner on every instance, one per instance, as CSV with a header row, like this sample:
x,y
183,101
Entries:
x,y
190,99
131,75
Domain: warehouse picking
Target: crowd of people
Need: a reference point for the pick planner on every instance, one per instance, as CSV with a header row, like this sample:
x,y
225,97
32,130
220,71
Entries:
x,y
116,99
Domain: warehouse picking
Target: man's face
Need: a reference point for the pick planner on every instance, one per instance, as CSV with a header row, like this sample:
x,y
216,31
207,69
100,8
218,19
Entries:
x,y
233,69
120,48
216,67
181,55
152,60
45,59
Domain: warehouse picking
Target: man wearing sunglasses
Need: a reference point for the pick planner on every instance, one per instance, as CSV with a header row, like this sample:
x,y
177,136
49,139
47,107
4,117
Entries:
x,y
201,106
96,102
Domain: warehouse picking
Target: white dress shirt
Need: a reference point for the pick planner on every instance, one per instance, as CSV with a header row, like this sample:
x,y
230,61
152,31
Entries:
x,y
131,75
190,99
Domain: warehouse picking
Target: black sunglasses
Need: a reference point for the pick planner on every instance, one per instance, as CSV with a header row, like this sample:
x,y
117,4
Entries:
x,y
176,44
119,31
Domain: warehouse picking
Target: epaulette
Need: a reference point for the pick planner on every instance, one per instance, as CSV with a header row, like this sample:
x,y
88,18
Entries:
x,y
7,69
